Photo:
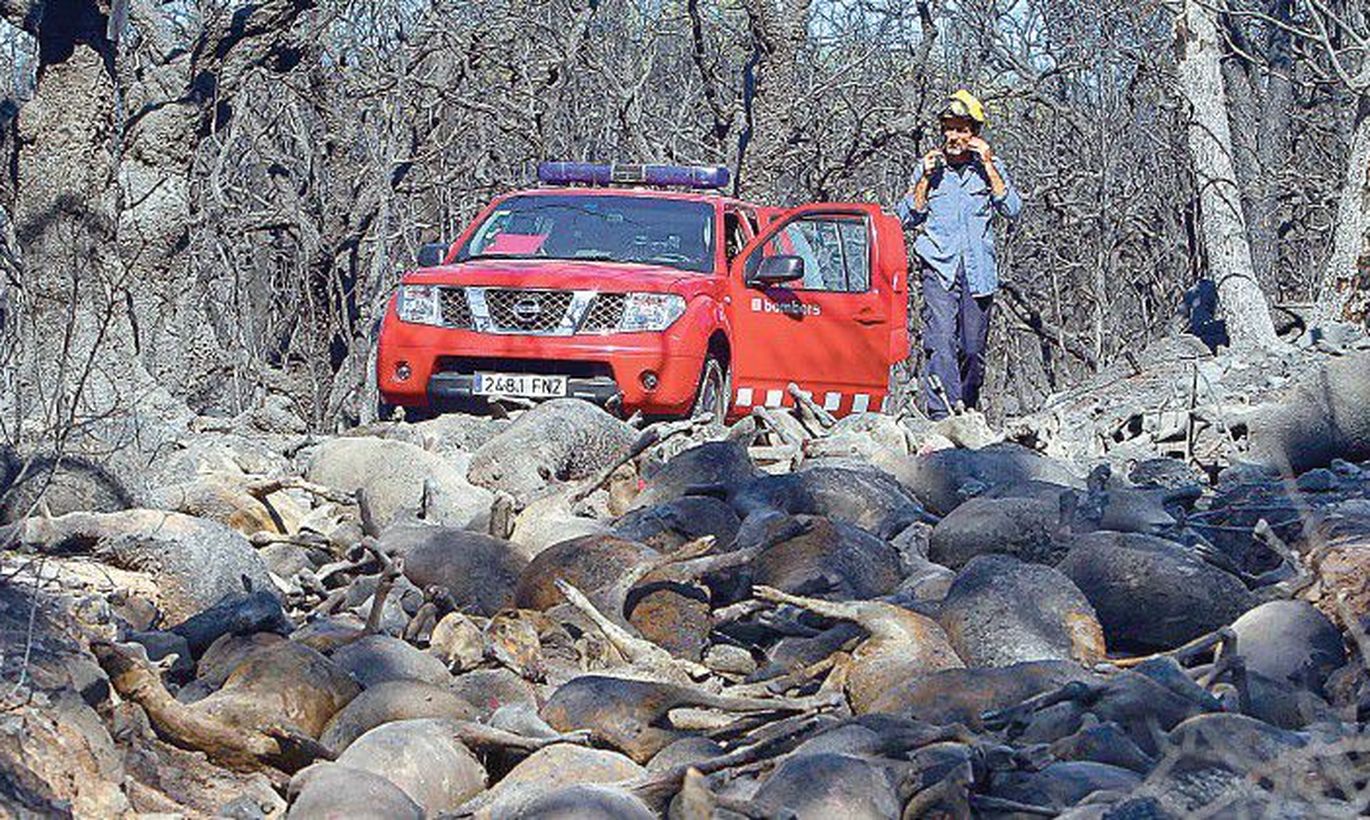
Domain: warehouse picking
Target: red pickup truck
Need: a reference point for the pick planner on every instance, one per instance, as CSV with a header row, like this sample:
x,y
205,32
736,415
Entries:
x,y
643,289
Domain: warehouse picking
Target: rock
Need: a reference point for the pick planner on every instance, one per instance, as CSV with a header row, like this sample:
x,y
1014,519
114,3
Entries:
x,y
59,761
550,520
559,440
829,786
587,802
69,484
733,660
423,757
1104,743
554,767
964,695
326,790
375,659
665,527
393,475
222,499
719,462
1343,566
1000,611
196,563
589,563
281,684
868,499
1152,593
480,572
394,700
237,614
686,751
837,560
1025,528
490,689
1061,785
214,453
1326,415
162,645
1290,642
457,642
936,478
449,435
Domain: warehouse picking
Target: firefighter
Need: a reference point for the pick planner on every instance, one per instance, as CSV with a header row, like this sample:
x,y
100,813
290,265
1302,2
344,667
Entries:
x,y
957,189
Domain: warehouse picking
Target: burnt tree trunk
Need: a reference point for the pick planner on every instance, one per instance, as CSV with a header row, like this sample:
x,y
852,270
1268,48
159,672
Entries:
x,y
1341,295
100,196
1222,223
1260,102
780,29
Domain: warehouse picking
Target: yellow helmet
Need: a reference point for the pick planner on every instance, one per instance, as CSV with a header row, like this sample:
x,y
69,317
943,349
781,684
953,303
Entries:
x,y
964,104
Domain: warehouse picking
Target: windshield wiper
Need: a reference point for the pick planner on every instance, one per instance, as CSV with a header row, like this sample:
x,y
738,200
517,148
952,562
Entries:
x,y
593,256
469,257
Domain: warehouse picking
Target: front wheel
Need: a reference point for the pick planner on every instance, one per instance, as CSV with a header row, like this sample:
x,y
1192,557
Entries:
x,y
715,389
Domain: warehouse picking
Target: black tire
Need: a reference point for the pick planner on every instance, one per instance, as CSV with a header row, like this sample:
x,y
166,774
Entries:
x,y
386,412
714,392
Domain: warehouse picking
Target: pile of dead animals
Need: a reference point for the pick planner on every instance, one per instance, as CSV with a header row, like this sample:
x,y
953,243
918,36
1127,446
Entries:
x,y
564,615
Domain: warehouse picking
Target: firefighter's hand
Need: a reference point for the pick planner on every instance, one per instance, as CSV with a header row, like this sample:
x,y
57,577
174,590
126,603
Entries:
x,y
981,149
933,160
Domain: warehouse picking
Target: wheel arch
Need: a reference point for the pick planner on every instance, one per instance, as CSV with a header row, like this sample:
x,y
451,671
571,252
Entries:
x,y
720,348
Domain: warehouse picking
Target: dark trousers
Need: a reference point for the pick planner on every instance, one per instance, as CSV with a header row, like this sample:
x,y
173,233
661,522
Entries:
x,y
955,330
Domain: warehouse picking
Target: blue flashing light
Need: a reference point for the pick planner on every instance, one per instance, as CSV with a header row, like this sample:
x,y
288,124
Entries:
x,y
604,173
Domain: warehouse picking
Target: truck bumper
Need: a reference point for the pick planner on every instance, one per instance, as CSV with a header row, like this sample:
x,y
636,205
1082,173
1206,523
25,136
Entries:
x,y
422,367
450,386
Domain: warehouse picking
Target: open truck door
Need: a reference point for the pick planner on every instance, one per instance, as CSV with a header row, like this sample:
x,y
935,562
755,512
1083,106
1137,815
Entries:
x,y
819,299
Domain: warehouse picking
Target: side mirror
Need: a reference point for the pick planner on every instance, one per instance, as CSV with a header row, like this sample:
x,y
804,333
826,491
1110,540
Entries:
x,y
774,270
431,254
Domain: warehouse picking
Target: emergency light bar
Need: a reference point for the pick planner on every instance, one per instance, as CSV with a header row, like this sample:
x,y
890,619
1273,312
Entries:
x,y
606,173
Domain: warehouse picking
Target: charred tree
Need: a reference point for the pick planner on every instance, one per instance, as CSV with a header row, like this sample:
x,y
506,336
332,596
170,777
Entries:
x,y
100,193
1261,101
1222,223
1348,267
780,29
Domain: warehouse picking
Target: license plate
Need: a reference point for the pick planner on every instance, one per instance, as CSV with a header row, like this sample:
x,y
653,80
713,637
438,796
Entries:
x,y
526,385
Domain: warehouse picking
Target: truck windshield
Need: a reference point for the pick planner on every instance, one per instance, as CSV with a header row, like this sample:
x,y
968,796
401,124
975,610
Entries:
x,y
672,232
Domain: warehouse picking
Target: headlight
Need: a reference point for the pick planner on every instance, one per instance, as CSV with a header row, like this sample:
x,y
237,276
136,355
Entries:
x,y
419,304
651,311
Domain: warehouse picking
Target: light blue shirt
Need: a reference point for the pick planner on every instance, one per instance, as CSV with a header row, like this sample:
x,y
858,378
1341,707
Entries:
x,y
956,223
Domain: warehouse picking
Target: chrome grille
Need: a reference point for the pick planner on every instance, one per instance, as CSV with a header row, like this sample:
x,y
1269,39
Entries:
x,y
528,311
456,310
605,313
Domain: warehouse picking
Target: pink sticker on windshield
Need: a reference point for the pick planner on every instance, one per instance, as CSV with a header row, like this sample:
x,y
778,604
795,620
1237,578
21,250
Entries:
x,y
516,243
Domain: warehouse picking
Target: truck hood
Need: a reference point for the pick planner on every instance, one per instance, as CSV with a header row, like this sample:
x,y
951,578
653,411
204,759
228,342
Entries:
x,y
561,274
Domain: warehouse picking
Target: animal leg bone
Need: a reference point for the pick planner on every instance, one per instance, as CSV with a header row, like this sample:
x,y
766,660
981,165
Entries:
x,y
238,748
636,650
1076,691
